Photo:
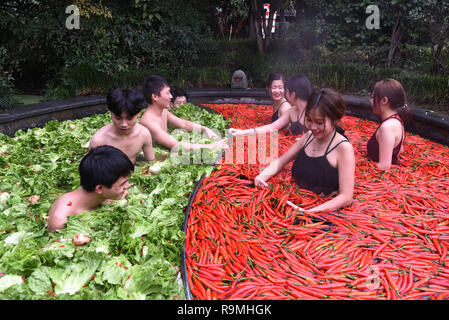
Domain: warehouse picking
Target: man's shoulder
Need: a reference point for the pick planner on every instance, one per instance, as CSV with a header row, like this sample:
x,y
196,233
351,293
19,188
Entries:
x,y
142,131
63,206
103,131
153,121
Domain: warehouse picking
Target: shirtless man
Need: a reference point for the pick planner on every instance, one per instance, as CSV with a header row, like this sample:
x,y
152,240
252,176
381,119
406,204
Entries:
x,y
157,117
124,132
104,174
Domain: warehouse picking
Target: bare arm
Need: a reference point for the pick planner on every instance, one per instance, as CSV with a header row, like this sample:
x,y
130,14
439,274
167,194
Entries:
x,y
171,143
94,141
147,147
279,124
386,140
57,217
279,163
189,126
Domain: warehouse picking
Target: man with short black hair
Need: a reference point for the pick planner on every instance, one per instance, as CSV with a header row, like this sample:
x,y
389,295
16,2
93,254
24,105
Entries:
x,y
157,117
104,174
179,98
124,132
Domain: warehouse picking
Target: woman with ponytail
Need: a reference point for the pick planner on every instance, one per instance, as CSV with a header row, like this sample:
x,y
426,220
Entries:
x,y
388,101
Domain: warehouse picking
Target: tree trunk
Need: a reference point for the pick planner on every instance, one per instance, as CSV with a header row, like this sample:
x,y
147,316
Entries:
x,y
257,25
267,28
281,23
396,36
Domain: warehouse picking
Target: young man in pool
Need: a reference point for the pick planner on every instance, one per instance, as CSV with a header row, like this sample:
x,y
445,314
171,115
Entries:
x,y
104,174
179,98
124,132
157,117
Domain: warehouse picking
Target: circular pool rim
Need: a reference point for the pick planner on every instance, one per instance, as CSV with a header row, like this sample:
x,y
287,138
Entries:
x,y
431,125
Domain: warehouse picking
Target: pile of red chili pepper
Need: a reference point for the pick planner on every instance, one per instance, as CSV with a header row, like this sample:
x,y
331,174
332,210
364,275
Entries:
x,y
244,242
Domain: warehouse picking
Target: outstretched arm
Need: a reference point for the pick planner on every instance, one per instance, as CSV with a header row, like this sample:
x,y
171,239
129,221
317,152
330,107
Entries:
x,y
279,124
190,126
279,163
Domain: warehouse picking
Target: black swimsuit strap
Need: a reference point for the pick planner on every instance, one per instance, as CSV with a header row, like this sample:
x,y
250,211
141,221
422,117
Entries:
x,y
299,117
280,105
308,141
330,142
336,146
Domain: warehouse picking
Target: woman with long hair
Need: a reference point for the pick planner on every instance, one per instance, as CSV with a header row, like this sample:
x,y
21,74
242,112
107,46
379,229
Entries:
x,y
388,101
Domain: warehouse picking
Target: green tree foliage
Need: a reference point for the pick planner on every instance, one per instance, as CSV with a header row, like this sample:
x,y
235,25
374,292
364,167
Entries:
x,y
114,37
340,25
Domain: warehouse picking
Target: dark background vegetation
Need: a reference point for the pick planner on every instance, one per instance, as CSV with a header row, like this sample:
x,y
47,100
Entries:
x,y
194,45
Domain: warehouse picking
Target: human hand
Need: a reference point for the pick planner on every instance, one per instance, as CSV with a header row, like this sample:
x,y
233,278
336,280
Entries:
x,y
260,181
210,134
295,207
221,144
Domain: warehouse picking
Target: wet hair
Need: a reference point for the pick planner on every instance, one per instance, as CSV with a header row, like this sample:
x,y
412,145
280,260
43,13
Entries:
x,y
178,92
301,86
273,77
328,102
130,101
395,93
153,84
103,165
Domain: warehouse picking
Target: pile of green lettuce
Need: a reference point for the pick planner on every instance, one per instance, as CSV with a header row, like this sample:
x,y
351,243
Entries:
x,y
136,243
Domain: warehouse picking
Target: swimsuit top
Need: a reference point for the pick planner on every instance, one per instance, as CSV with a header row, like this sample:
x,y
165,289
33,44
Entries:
x,y
373,145
276,113
316,173
297,127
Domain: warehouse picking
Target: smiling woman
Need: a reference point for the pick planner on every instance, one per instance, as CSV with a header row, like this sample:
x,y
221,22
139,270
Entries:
x,y
324,159
276,89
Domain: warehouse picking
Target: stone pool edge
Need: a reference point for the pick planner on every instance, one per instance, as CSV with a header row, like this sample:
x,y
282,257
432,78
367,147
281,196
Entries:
x,y
427,124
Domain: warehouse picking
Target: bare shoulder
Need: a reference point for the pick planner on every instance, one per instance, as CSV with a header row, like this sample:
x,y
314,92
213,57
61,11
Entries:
x,y
146,116
293,113
391,124
101,135
62,205
143,132
286,106
59,211
150,120
345,147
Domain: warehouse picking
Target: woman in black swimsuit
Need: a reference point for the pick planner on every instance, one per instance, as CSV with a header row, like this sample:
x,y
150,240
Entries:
x,y
276,90
324,160
297,92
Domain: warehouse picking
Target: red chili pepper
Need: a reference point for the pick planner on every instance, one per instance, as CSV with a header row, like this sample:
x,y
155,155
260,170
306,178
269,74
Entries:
x,y
398,222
